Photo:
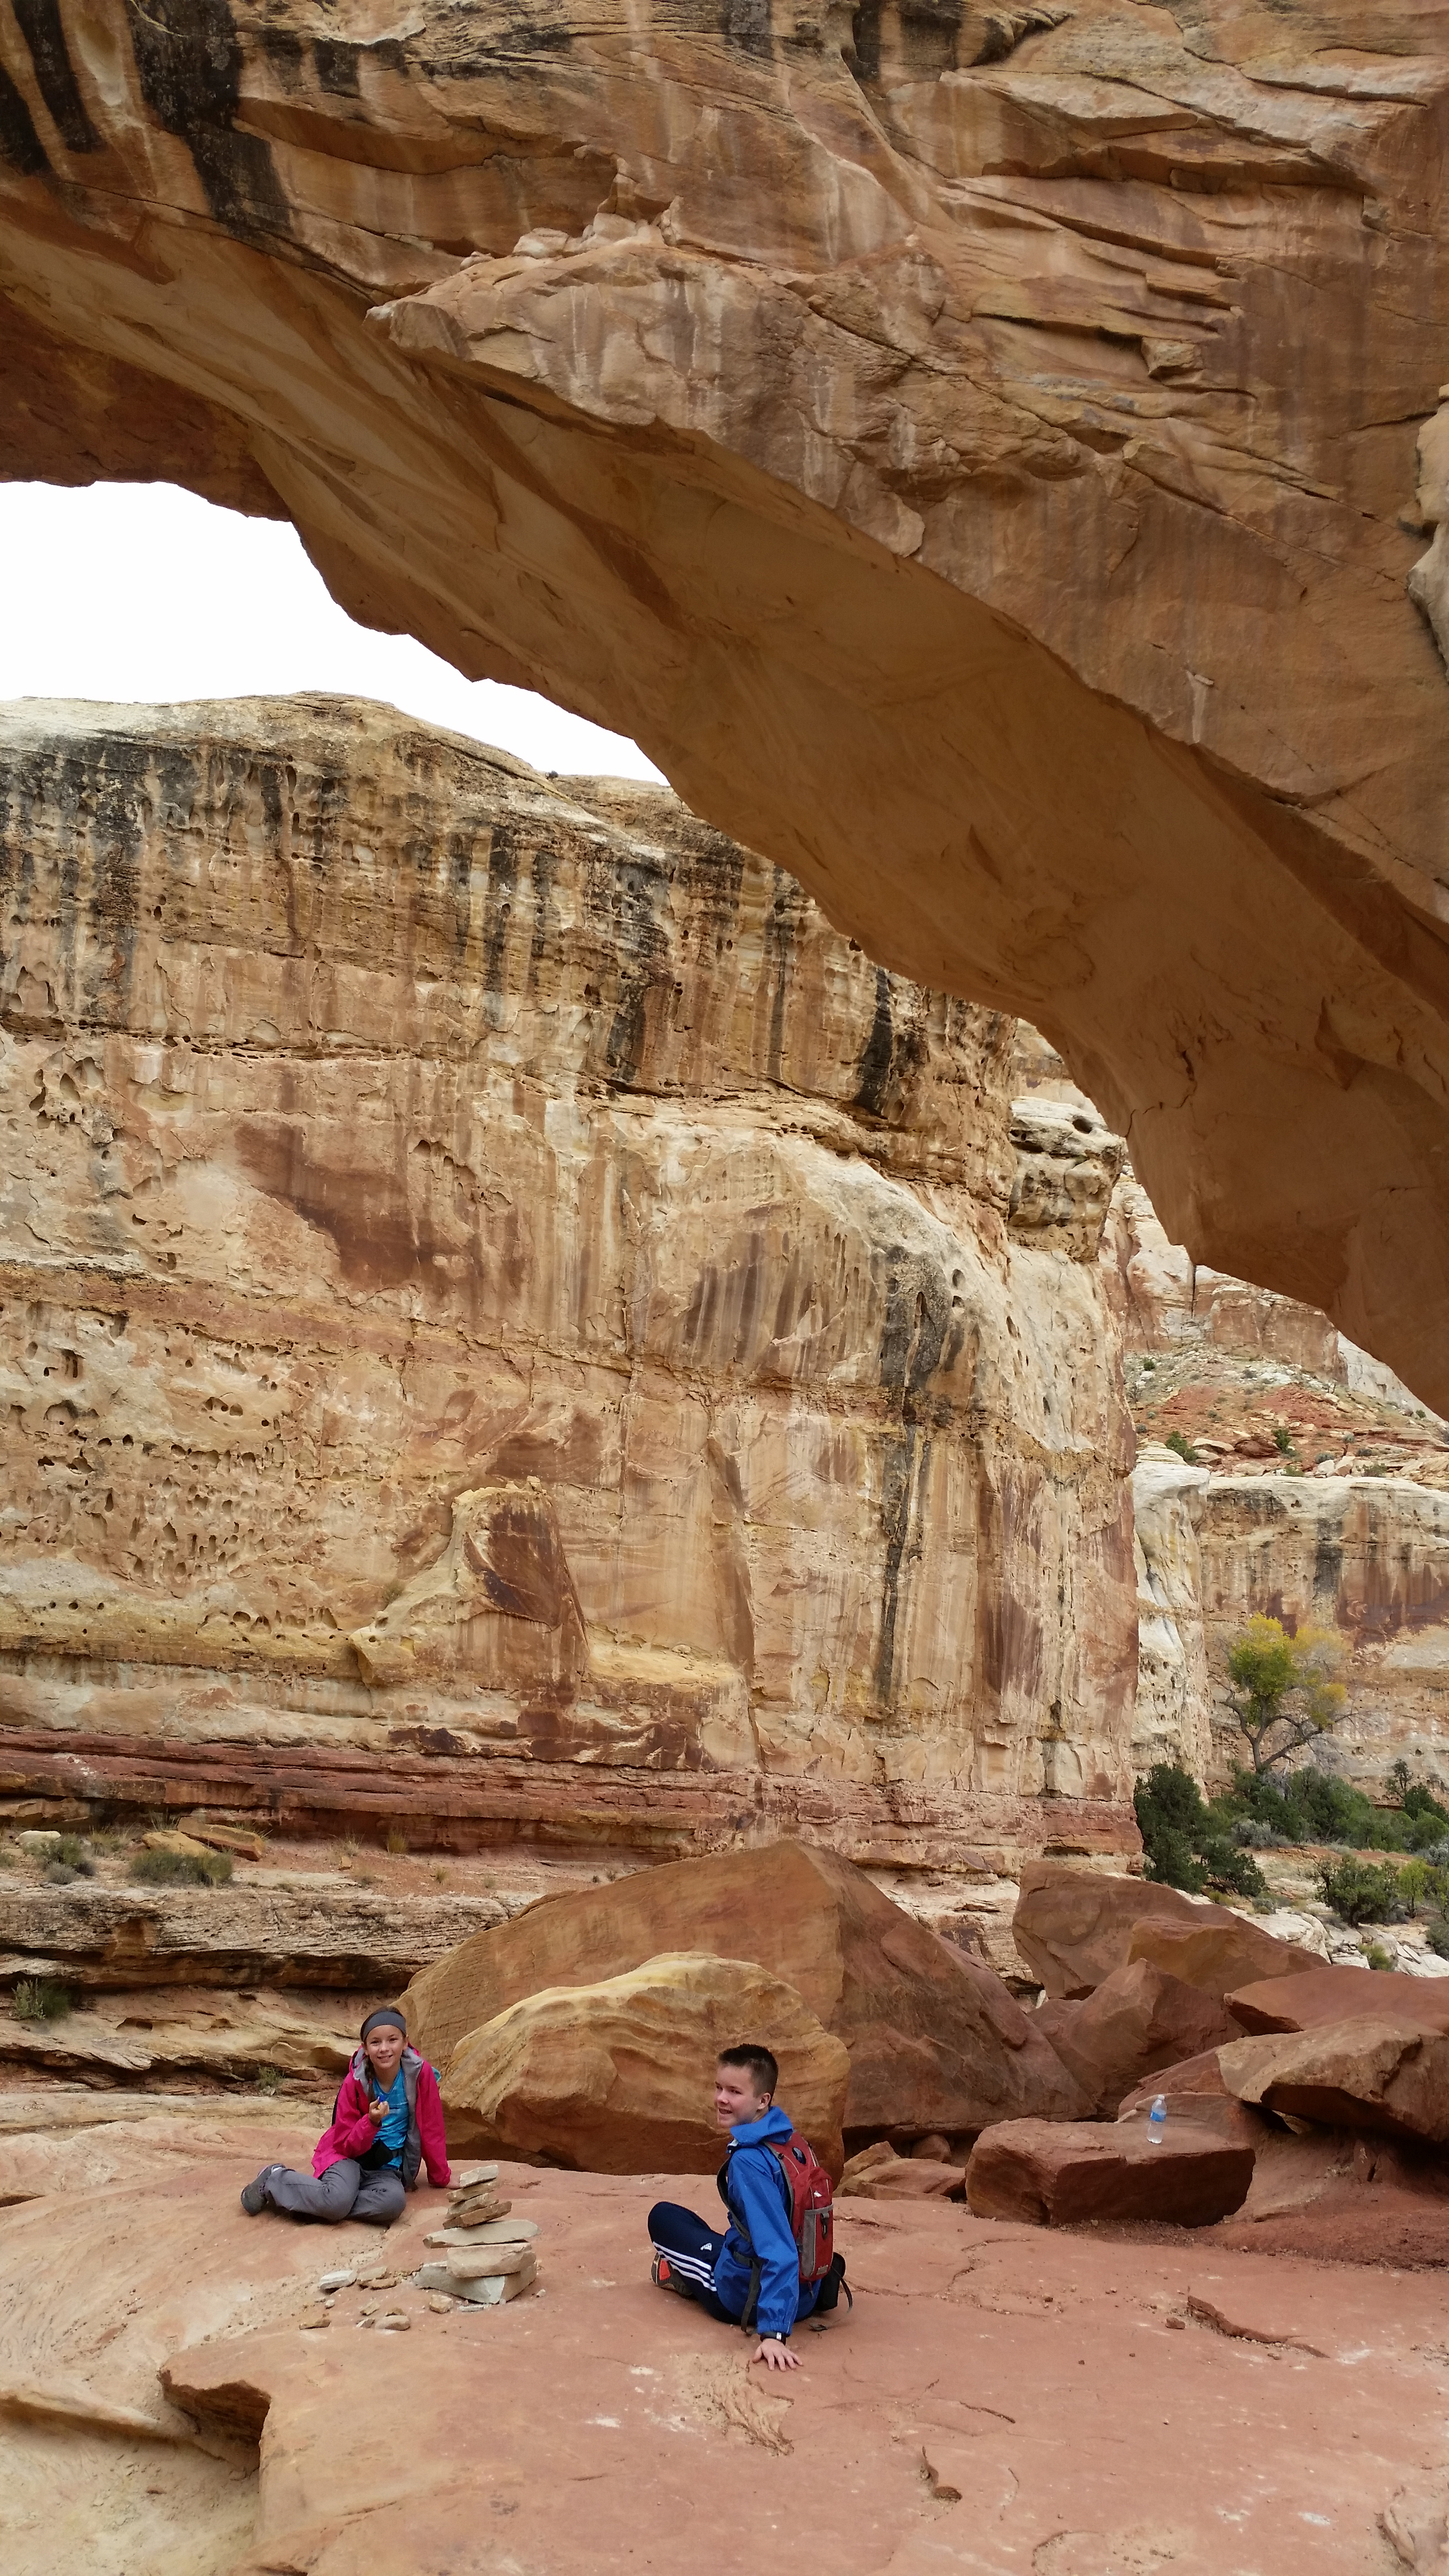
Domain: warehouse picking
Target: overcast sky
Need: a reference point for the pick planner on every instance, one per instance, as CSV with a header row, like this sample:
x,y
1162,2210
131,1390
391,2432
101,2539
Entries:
x,y
141,591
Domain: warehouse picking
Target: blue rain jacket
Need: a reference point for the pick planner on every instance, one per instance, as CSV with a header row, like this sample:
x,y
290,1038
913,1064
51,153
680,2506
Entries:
x,y
758,2199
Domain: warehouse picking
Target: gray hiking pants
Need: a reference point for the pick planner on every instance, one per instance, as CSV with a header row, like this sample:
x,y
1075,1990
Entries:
x,y
344,2191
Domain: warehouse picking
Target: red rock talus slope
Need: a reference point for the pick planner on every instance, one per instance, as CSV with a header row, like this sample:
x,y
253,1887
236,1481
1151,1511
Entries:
x,y
511,1324
996,428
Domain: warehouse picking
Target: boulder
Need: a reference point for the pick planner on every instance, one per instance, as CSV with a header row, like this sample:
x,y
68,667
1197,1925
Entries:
x,y
1059,2174
878,2173
1321,1994
617,2077
1218,1952
1073,1926
1376,2072
935,2039
1138,2021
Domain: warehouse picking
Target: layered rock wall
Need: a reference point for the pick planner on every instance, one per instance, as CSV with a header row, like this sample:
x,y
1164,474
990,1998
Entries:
x,y
1018,426
513,1325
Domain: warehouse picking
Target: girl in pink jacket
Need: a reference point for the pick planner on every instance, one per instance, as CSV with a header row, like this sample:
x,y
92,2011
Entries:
x,y
387,2123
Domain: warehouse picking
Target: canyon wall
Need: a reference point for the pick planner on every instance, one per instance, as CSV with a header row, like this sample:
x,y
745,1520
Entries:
x,y
991,457
513,1327
1304,1481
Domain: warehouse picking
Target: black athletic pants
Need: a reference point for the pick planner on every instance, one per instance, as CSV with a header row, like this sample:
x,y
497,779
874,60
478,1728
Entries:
x,y
693,2250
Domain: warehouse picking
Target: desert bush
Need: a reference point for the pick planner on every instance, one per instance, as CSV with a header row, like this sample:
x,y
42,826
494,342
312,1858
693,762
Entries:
x,y
1362,1891
1312,1806
182,1869
1436,1938
1184,1448
1186,1842
41,1999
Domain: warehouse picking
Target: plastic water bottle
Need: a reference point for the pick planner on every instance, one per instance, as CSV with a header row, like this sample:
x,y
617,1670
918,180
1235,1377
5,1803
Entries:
x,y
1157,2121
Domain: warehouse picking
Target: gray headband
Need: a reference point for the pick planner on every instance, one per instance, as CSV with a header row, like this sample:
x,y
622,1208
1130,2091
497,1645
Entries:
x,y
386,2013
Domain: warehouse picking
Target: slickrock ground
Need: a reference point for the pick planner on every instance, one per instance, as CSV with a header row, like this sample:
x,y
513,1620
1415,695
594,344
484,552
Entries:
x,y
1002,2400
1018,427
514,1328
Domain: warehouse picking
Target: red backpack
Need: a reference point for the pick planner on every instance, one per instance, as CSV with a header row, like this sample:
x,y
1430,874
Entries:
x,y
812,2204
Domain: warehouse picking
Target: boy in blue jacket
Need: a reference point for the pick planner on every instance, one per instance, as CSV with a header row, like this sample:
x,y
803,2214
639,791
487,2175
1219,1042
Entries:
x,y
716,2270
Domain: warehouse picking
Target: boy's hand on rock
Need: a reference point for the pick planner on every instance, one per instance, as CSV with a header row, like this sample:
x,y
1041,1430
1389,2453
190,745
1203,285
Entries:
x,y
775,2356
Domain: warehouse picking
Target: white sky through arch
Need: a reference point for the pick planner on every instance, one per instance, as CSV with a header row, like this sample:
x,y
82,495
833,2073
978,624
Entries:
x,y
143,592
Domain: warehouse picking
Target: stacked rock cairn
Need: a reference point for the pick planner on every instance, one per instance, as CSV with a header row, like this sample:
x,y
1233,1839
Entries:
x,y
483,2254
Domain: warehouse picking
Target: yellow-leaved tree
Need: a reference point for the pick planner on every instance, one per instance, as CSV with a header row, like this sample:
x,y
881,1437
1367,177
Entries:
x,y
1286,1688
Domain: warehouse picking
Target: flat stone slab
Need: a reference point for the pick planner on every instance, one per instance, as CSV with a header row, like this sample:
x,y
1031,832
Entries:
x,y
1377,2072
1059,2173
1338,1994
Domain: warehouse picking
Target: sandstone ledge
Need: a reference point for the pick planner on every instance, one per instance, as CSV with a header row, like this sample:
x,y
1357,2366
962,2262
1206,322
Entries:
x,y
445,1803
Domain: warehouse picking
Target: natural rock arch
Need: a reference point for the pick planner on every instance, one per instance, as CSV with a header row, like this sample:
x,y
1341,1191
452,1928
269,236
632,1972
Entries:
x,y
972,449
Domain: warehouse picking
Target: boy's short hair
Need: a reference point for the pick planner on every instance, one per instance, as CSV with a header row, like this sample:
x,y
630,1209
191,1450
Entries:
x,y
759,2062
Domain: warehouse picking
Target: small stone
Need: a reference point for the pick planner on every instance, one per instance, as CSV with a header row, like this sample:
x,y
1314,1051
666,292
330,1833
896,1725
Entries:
x,y
394,2322
311,2318
38,1846
441,2305
336,2280
494,2231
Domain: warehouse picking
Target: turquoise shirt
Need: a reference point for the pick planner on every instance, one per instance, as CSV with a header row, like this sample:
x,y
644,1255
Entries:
x,y
394,2130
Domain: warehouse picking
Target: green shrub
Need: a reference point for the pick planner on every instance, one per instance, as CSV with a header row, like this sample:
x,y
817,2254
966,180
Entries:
x,y
1436,1938
1361,1891
41,1999
1377,1956
1184,1448
1187,1844
270,2079
182,1869
1282,1440
1312,1806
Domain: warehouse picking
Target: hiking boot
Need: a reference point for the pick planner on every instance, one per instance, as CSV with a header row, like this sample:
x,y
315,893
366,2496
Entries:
x,y
666,2278
831,2287
254,2196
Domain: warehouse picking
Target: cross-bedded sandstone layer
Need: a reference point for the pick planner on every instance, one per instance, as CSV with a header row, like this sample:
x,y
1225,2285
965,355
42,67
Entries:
x,y
971,446
513,1326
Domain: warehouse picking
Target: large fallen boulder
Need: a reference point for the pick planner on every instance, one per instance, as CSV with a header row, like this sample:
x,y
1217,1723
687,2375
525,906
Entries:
x,y
1321,1995
1377,2073
1073,1926
935,2039
1137,2022
1058,2174
1218,1952
617,2076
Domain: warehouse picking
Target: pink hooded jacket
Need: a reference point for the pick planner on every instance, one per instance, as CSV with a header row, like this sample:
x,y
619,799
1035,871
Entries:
x,y
352,2132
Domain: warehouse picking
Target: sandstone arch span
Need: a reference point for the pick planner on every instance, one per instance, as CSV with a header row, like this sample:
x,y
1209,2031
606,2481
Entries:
x,y
971,447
